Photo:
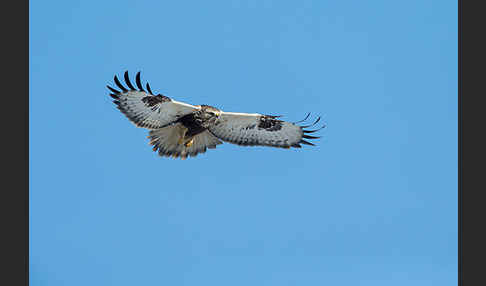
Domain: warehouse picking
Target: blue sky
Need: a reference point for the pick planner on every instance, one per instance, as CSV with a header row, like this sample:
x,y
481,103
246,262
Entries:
x,y
375,203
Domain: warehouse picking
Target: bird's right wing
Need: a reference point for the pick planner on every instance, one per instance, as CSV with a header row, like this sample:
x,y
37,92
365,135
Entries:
x,y
146,109
252,129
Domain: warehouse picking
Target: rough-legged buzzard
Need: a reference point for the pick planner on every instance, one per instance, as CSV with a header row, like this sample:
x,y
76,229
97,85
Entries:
x,y
178,129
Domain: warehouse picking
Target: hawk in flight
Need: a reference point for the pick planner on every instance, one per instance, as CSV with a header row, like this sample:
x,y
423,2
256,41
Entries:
x,y
178,129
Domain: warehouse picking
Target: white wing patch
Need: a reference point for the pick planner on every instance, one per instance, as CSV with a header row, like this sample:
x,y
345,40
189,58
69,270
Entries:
x,y
146,109
256,129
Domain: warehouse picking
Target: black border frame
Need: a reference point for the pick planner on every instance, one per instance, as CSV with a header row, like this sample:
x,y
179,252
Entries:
x,y
459,142
15,194
471,143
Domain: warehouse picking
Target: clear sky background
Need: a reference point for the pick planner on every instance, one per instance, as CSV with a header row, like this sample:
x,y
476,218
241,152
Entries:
x,y
375,203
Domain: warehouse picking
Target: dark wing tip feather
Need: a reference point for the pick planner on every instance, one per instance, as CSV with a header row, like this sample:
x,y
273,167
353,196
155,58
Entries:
x,y
315,122
312,131
127,81
310,137
138,82
307,143
118,83
113,90
307,116
305,132
148,88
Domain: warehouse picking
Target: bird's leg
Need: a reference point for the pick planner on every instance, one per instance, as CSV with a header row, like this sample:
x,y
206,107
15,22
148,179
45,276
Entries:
x,y
183,131
189,143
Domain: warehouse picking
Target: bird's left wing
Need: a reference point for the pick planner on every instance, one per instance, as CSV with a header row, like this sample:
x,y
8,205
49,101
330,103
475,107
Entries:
x,y
146,109
250,129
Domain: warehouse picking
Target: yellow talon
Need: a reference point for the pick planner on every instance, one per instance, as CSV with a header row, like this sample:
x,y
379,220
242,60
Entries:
x,y
183,131
189,144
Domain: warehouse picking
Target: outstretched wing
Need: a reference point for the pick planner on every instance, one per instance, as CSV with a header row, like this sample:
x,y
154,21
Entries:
x,y
256,129
146,109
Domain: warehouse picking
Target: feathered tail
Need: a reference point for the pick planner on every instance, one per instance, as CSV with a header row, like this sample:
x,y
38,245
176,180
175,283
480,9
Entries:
x,y
168,141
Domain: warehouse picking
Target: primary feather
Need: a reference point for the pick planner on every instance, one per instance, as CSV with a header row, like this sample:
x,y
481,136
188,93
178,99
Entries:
x,y
148,110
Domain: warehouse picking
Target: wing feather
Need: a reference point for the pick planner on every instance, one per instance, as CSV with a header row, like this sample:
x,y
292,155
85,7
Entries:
x,y
148,110
253,129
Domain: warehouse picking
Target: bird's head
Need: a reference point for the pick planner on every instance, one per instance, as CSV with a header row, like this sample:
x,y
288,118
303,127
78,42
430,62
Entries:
x,y
210,111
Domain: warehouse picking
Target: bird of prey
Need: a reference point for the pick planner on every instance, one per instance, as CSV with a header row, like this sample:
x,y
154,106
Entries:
x,y
178,129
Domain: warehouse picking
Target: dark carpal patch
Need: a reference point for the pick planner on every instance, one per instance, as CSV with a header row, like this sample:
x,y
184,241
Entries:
x,y
153,100
269,123
249,127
